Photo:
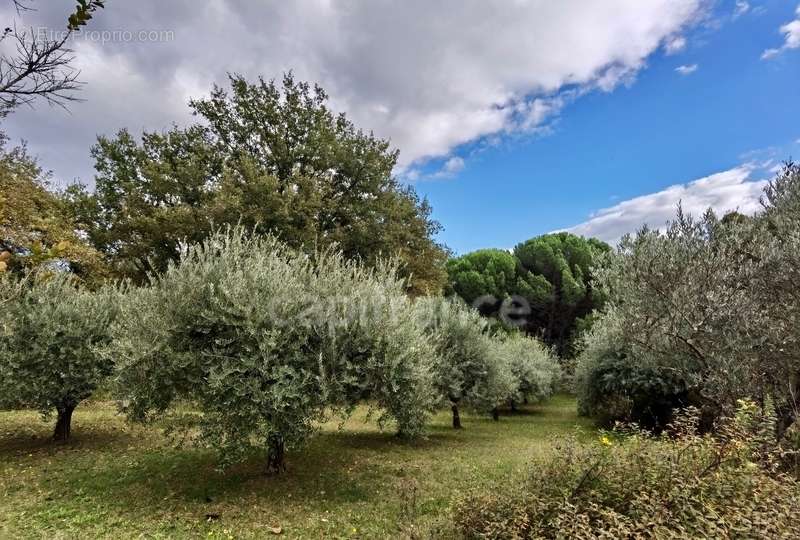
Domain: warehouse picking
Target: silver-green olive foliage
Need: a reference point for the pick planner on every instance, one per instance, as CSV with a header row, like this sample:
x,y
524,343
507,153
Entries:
x,y
777,251
266,342
477,370
463,346
50,334
535,368
680,300
705,313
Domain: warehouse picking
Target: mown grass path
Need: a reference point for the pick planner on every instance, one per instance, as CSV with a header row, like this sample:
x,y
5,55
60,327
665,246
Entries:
x,y
115,480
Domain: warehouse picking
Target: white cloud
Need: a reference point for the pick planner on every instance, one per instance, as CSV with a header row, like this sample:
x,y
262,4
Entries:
x,y
791,36
429,75
675,45
734,189
741,8
451,167
686,69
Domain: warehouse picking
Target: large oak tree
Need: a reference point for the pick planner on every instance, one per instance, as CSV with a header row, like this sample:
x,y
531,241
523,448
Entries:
x,y
272,157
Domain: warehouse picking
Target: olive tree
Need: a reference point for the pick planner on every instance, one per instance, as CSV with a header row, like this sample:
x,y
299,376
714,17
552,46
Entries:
x,y
463,347
49,339
534,367
501,386
681,316
777,251
266,342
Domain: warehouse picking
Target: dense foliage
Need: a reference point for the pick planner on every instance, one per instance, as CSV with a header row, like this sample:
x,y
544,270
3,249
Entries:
x,y
270,157
556,273
463,352
35,228
701,314
638,486
266,342
776,291
479,370
486,272
535,369
50,333
544,286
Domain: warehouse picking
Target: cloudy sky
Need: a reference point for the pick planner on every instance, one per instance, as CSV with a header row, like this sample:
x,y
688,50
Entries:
x,y
514,117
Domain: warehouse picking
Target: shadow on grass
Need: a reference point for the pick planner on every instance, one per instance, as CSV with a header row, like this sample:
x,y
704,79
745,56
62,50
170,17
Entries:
x,y
331,469
187,481
134,473
523,411
83,439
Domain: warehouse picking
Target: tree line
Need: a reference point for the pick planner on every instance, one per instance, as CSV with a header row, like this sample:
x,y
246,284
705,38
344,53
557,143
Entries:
x,y
545,286
263,265
262,341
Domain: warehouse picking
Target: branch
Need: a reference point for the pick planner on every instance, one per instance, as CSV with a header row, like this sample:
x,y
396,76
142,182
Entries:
x,y
40,69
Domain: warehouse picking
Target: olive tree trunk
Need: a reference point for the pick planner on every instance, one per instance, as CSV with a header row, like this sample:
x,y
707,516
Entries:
x,y
276,455
63,423
456,415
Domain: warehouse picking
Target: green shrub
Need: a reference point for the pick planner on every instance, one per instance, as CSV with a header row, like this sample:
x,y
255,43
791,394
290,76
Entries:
x,y
616,390
265,342
50,333
636,486
612,387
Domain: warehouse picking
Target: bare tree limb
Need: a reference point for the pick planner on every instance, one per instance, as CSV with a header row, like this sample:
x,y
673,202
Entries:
x,y
41,66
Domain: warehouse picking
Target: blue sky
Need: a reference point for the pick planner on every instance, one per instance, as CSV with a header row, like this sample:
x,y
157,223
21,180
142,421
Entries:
x,y
515,118
663,129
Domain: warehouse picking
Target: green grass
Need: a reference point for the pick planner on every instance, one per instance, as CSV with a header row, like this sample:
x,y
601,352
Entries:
x,y
116,480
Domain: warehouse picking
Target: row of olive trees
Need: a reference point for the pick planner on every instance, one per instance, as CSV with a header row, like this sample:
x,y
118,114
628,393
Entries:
x,y
482,371
706,313
264,343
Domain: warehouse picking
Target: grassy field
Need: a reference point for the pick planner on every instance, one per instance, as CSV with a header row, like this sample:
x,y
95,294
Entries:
x,y
115,480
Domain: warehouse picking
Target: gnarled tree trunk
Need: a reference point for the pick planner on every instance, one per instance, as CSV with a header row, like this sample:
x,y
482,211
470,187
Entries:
x,y
456,416
276,455
495,414
63,423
